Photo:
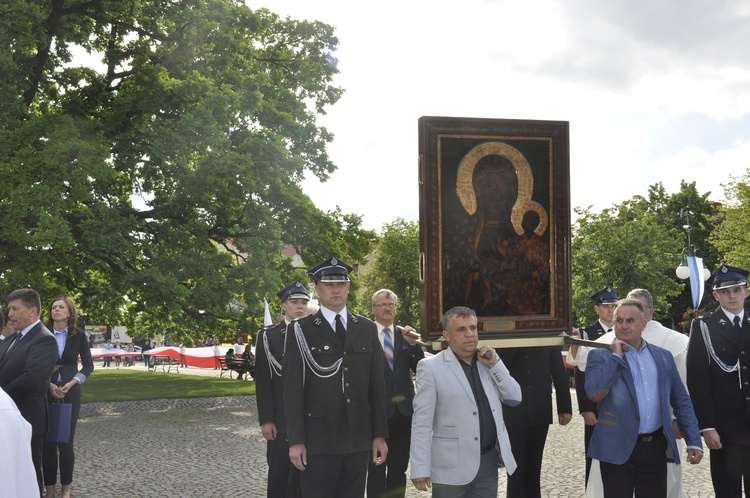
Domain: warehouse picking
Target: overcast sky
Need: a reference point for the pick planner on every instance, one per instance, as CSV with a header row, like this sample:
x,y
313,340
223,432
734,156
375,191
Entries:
x,y
654,90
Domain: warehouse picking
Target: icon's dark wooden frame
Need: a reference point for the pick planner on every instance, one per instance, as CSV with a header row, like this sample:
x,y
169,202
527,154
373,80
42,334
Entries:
x,y
552,174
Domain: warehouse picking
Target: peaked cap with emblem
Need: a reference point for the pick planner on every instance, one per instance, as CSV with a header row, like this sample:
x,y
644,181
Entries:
x,y
294,291
330,270
605,296
728,276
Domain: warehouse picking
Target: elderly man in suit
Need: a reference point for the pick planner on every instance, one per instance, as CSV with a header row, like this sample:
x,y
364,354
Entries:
x,y
26,362
334,394
458,434
402,353
717,362
635,384
283,481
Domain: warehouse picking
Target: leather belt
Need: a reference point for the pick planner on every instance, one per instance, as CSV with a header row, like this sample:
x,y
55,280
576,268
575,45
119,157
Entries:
x,y
647,438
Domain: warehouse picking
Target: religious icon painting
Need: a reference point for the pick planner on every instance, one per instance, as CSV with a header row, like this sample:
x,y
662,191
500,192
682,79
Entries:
x,y
495,224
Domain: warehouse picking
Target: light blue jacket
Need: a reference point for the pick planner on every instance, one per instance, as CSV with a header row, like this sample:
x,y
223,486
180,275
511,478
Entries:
x,y
609,382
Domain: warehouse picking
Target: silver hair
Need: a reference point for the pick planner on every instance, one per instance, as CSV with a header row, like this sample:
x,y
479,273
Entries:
x,y
646,295
386,293
631,302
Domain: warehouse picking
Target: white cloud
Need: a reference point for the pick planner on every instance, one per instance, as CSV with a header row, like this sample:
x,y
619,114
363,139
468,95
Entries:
x,y
710,171
654,91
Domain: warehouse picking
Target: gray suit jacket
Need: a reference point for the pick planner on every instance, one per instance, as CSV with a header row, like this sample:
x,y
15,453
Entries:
x,y
25,373
445,443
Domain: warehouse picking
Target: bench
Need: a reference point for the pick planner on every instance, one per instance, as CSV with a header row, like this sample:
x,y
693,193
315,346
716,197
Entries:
x,y
237,365
166,362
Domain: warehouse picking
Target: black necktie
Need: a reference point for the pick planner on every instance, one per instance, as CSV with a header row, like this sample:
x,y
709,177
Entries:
x,y
737,324
340,330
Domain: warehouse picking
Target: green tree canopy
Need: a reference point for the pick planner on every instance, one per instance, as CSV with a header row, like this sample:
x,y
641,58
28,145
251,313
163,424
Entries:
x,y
732,235
156,181
638,244
396,267
624,246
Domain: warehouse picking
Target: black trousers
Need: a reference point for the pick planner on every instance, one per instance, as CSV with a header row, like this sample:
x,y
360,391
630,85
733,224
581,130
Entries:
x,y
335,476
645,472
527,444
730,466
37,441
389,479
283,477
588,431
67,457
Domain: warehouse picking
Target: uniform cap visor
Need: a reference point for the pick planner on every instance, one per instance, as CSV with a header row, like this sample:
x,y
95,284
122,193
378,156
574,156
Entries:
x,y
334,278
297,295
729,283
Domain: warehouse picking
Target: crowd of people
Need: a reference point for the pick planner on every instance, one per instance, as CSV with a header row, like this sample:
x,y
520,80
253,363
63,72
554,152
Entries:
x,y
335,391
343,415
40,366
116,350
476,409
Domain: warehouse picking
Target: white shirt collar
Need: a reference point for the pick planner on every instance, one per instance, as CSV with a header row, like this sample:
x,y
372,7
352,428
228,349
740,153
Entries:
x,y
330,316
26,330
731,315
381,327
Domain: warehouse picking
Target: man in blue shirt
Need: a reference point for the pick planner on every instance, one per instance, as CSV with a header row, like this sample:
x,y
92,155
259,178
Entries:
x,y
635,384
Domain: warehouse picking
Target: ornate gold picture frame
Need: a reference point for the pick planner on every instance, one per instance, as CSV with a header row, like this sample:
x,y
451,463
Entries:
x,y
495,225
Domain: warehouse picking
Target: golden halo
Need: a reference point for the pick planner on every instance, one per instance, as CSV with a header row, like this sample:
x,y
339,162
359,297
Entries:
x,y
465,183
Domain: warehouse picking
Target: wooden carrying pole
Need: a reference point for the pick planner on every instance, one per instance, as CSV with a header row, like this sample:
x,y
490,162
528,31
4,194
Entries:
x,y
525,342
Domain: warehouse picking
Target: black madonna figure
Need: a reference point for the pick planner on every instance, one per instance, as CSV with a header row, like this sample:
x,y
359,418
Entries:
x,y
510,273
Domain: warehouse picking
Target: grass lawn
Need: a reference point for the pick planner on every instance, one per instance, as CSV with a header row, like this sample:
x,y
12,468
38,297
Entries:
x,y
126,385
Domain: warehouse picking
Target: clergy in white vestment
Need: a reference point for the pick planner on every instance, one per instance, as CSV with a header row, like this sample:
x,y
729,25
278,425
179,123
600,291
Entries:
x,y
17,475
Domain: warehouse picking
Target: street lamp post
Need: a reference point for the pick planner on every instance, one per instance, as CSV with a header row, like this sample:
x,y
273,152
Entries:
x,y
691,266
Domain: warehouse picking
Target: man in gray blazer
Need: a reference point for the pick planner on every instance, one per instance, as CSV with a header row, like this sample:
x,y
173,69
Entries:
x,y
458,434
26,362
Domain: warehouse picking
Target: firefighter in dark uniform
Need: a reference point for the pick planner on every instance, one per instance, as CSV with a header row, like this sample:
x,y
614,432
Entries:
x,y
283,479
334,394
718,379
604,305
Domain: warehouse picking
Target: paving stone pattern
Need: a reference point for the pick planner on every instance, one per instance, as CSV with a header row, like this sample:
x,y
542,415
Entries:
x,y
213,448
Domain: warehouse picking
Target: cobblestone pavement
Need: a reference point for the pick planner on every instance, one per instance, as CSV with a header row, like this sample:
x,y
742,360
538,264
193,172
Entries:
x,y
212,447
